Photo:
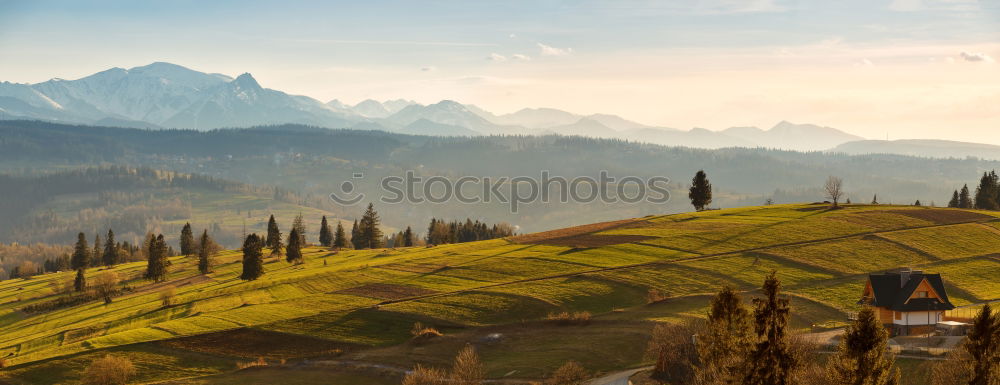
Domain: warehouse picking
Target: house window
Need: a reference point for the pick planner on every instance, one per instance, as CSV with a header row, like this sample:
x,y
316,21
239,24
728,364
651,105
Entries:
x,y
921,294
899,315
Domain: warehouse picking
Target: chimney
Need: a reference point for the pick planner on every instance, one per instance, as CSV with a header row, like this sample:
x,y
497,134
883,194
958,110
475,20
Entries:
x,y
904,276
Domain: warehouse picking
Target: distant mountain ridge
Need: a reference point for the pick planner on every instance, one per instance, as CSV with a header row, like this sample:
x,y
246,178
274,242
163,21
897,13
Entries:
x,y
164,95
931,148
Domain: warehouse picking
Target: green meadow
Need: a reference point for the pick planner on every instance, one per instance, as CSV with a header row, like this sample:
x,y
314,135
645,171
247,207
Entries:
x,y
359,305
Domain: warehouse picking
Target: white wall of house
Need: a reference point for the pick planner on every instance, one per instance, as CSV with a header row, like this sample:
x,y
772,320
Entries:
x,y
919,318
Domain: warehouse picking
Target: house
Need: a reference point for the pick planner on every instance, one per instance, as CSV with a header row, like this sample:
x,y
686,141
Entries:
x,y
907,302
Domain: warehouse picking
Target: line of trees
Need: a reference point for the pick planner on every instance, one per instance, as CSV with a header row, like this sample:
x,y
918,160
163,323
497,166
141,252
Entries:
x,y
441,232
987,195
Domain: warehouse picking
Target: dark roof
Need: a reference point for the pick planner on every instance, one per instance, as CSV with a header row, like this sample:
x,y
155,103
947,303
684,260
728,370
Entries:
x,y
890,292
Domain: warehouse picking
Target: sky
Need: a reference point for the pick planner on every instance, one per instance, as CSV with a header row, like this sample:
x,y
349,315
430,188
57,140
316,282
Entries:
x,y
879,69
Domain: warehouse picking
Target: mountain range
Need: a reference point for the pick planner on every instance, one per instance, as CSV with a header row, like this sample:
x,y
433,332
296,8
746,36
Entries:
x,y
164,95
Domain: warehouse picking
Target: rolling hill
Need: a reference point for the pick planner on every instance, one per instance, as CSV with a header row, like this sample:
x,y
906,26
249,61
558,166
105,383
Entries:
x,y
358,306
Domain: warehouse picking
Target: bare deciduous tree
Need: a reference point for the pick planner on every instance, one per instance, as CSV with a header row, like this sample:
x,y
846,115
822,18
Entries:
x,y
105,285
834,189
109,370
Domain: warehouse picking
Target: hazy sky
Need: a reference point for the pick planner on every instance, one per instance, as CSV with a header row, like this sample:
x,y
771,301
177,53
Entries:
x,y
902,68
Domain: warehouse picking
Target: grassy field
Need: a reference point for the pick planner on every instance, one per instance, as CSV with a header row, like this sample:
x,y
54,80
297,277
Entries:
x,y
360,305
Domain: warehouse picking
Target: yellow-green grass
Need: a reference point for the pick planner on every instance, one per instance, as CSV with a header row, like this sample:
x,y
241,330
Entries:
x,y
947,242
500,282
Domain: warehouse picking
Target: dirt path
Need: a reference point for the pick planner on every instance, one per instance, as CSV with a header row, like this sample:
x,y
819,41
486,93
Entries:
x,y
617,378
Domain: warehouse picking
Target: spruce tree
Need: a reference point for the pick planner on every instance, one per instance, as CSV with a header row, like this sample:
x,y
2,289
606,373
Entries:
x,y
110,256
81,253
95,254
325,235
80,283
771,361
205,250
701,191
156,264
964,199
187,240
253,259
273,236
726,340
954,199
408,237
875,199
369,227
293,253
983,346
986,192
917,203
300,225
861,357
339,237
356,237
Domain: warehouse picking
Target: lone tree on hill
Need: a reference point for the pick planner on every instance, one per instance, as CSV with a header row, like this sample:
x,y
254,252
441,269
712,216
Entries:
x,y
293,253
206,249
339,238
701,191
771,361
156,264
187,240
964,199
110,256
861,357
81,253
273,237
325,235
834,189
300,225
253,259
80,283
408,237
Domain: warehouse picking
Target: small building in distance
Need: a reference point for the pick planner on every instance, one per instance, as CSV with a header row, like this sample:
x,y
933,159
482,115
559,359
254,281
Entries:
x,y
908,301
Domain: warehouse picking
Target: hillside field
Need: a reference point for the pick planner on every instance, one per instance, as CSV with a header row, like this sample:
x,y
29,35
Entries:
x,y
358,306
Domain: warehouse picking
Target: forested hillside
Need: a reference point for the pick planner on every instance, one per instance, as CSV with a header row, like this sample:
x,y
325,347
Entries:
x,y
313,162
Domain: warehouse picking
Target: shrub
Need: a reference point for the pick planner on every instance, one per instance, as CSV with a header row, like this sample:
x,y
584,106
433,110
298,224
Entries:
x,y
249,364
571,373
656,296
423,333
468,369
424,376
109,370
167,296
567,318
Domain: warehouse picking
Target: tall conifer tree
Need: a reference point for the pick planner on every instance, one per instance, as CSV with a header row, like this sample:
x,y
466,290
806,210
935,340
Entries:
x,y
81,253
187,240
205,249
408,237
293,252
253,258
861,357
771,361
339,237
701,191
110,256
369,226
325,235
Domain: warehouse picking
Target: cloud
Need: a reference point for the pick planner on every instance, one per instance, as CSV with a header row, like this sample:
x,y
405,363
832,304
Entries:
x,y
520,57
496,57
864,63
513,36
906,5
976,57
553,51
428,68
723,7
